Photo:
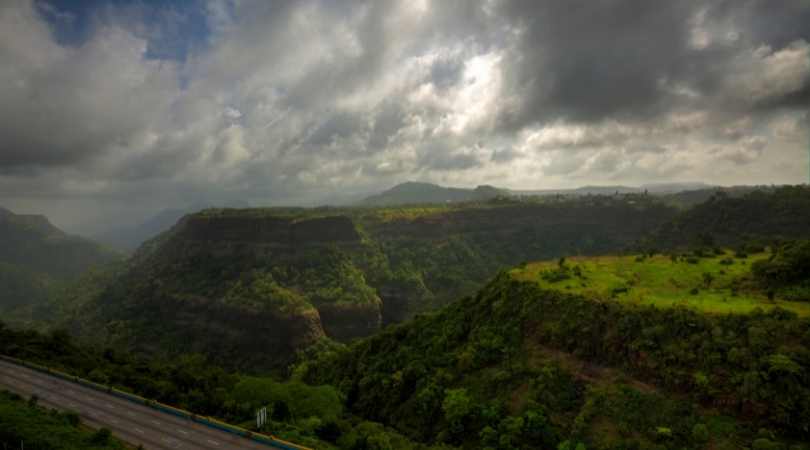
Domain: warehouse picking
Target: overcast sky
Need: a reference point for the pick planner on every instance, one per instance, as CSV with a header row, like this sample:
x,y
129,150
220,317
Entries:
x,y
110,110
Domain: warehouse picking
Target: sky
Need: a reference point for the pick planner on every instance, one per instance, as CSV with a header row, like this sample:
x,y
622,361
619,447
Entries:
x,y
111,110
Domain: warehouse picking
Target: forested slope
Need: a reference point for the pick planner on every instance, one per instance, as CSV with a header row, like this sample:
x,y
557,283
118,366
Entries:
x,y
36,258
729,220
522,366
252,287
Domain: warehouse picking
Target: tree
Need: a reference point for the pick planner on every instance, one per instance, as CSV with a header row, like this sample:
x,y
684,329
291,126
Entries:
x,y
707,279
281,411
700,433
101,437
457,406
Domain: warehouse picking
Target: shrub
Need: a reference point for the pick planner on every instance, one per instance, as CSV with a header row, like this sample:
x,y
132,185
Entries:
x,y
101,437
700,433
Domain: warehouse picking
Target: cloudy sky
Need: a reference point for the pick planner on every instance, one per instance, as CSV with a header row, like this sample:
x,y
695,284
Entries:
x,y
110,110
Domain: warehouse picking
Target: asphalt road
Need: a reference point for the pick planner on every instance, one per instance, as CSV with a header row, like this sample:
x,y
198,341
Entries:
x,y
129,421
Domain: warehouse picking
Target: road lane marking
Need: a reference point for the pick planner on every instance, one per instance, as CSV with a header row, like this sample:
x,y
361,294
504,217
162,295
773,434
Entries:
x,y
156,422
183,432
173,442
138,430
213,442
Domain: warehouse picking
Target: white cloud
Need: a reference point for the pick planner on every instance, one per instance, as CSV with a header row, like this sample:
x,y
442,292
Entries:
x,y
293,102
762,74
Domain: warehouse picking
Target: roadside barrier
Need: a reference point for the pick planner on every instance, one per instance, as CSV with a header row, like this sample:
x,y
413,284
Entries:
x,y
268,440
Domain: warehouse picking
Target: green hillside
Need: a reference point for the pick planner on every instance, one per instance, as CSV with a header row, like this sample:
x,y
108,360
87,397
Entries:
x,y
251,287
36,427
713,282
527,363
36,259
727,218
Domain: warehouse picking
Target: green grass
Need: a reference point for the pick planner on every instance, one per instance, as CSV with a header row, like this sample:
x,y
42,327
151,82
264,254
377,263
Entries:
x,y
661,282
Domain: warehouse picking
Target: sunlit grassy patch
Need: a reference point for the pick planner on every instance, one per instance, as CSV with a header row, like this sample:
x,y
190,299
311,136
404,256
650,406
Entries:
x,y
660,281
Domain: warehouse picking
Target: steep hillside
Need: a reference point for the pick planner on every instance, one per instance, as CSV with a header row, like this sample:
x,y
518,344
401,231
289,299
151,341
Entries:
x,y
252,287
35,256
248,290
531,363
727,219
31,242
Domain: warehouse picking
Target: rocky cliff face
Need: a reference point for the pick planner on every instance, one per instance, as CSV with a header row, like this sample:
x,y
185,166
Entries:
x,y
222,281
248,290
285,232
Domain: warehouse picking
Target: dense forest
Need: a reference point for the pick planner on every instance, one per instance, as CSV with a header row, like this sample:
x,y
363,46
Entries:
x,y
221,277
37,260
525,366
588,322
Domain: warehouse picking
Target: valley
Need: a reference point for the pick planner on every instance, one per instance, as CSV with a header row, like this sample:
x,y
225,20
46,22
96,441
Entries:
x,y
509,323
405,224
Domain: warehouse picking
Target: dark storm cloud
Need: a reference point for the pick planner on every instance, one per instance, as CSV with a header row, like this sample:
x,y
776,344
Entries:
x,y
388,120
585,61
764,21
288,101
341,124
440,156
446,72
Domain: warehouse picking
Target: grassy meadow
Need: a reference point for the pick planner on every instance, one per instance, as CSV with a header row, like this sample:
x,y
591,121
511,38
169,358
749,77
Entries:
x,y
661,281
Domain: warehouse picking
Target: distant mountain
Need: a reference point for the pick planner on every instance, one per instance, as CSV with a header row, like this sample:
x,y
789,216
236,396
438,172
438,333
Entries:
x,y
656,189
689,198
669,188
416,193
411,193
35,255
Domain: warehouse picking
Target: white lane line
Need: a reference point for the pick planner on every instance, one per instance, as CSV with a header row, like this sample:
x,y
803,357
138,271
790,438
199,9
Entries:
x,y
156,422
182,432
138,430
213,442
109,405
173,442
